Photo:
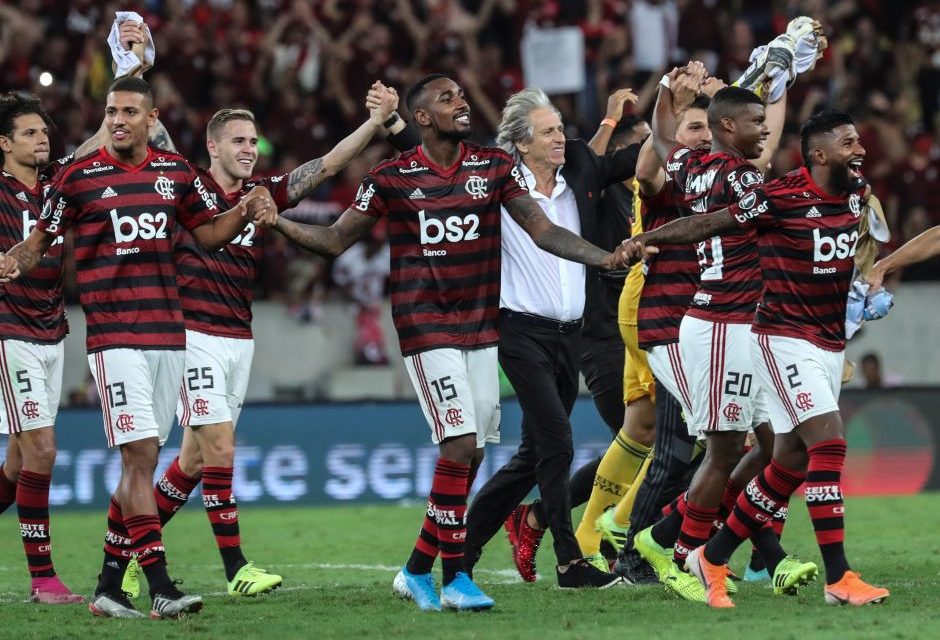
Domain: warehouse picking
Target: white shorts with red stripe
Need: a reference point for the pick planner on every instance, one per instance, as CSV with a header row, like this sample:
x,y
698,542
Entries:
x,y
138,389
665,362
215,379
458,391
801,380
30,385
727,395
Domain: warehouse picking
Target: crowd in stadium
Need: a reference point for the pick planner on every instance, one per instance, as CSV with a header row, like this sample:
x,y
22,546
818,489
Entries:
x,y
303,67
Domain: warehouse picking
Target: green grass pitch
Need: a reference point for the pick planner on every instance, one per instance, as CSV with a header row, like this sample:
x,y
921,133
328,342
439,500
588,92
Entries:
x,y
338,564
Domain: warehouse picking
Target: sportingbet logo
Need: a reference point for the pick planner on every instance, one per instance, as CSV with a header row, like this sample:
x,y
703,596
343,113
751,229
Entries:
x,y
451,229
826,248
144,226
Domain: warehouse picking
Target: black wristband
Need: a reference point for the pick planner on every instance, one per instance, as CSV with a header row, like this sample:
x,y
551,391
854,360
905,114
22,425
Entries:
x,y
392,119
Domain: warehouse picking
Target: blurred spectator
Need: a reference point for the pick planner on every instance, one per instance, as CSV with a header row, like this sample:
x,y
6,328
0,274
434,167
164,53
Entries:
x,y
302,65
874,377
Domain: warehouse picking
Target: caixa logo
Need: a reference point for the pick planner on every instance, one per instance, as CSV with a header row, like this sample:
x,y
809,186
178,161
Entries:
x,y
144,226
826,248
452,228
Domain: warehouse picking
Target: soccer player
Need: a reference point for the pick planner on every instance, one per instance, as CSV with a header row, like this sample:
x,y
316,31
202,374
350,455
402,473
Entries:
x,y
215,295
32,328
124,202
713,375
443,200
807,230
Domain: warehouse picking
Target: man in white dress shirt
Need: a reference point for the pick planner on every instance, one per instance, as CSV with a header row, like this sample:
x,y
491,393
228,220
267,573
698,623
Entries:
x,y
541,308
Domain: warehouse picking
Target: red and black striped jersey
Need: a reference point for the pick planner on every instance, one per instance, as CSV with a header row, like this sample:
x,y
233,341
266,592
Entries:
x,y
444,232
217,287
671,275
124,220
807,240
729,272
32,307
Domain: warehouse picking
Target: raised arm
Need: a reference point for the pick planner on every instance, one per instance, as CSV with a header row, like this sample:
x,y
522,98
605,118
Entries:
x,y
557,240
776,113
672,102
649,170
615,105
303,180
23,257
917,249
327,241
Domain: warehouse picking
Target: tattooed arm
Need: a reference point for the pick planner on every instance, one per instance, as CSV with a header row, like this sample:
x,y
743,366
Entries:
x,y
160,138
304,179
690,229
23,257
327,241
555,239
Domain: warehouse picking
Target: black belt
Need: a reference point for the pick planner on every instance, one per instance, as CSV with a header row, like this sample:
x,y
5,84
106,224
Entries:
x,y
561,326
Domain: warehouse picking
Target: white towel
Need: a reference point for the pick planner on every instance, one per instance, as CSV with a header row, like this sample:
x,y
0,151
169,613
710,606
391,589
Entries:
x,y
126,62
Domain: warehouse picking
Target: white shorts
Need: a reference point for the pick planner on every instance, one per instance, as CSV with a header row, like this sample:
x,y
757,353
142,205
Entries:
x,y
138,390
666,364
215,379
726,393
458,391
801,379
30,384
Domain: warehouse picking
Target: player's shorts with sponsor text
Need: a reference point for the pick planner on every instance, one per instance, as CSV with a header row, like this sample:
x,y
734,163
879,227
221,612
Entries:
x,y
215,379
30,384
138,389
458,391
727,395
666,364
801,380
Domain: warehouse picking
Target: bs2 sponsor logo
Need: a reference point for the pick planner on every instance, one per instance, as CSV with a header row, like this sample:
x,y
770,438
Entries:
x,y
826,248
451,228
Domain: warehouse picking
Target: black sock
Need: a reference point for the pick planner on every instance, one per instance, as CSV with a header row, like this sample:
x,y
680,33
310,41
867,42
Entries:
x,y
834,558
757,562
112,573
722,546
768,548
449,569
419,563
233,559
666,531
157,577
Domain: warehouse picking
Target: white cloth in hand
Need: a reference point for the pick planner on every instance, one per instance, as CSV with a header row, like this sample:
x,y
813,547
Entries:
x,y
126,61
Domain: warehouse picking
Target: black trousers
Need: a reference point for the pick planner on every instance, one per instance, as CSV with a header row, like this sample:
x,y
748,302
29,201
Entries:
x,y
669,473
542,365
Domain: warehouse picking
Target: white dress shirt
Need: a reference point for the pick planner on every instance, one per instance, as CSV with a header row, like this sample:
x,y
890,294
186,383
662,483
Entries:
x,y
533,280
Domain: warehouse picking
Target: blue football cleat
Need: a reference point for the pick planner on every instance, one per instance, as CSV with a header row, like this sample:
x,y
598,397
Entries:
x,y
462,594
420,588
761,575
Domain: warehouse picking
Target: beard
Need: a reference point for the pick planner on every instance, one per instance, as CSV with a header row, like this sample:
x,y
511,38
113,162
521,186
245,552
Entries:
x,y
454,135
845,181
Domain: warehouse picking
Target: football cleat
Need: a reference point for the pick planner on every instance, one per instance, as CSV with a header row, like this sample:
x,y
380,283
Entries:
x,y
581,574
51,591
173,603
524,540
851,589
642,574
113,605
462,594
683,584
418,587
130,583
659,557
791,574
614,534
713,577
598,560
251,581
